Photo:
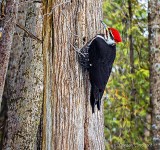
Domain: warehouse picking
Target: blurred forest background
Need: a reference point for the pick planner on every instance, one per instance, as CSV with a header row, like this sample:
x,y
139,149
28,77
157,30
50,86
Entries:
x,y
41,108
127,102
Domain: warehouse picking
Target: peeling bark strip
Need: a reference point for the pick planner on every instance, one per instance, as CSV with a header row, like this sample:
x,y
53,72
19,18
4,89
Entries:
x,y
154,43
24,83
6,40
48,74
68,122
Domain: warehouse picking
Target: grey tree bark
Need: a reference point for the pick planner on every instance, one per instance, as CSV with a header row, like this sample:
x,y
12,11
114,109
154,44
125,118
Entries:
x,y
7,27
24,82
154,46
68,121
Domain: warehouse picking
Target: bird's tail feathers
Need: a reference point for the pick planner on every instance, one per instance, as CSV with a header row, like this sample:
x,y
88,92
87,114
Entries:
x,y
92,100
98,102
95,98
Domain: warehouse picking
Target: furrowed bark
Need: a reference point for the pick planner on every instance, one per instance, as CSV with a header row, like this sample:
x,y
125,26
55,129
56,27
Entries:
x,y
24,82
68,120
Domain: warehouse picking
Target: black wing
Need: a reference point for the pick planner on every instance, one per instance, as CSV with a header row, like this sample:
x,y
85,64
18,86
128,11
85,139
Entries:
x,y
101,58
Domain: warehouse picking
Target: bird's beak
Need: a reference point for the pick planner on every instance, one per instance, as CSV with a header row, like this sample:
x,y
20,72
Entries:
x,y
104,25
107,35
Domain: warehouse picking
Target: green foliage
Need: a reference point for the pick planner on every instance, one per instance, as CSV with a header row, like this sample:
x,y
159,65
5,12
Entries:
x,y
127,99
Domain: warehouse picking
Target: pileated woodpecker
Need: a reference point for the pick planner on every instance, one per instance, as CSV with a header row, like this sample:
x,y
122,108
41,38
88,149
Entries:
x,y
100,53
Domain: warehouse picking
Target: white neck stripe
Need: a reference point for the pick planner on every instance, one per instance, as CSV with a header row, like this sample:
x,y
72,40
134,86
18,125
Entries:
x,y
109,41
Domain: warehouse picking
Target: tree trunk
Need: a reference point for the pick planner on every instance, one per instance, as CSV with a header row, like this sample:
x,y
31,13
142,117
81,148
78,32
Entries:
x,y
154,45
7,25
131,37
68,121
132,70
24,82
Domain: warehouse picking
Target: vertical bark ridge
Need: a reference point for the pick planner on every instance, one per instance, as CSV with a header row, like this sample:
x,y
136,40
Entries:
x,y
48,60
8,26
154,47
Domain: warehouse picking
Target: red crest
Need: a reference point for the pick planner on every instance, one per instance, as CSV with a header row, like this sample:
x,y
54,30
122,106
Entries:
x,y
116,35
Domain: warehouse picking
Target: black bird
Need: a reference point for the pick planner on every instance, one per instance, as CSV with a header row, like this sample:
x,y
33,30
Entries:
x,y
101,58
97,56
102,53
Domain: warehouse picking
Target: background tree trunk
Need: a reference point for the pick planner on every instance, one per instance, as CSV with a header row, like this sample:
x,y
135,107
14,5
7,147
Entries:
x,y
154,44
132,70
68,121
7,25
24,83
